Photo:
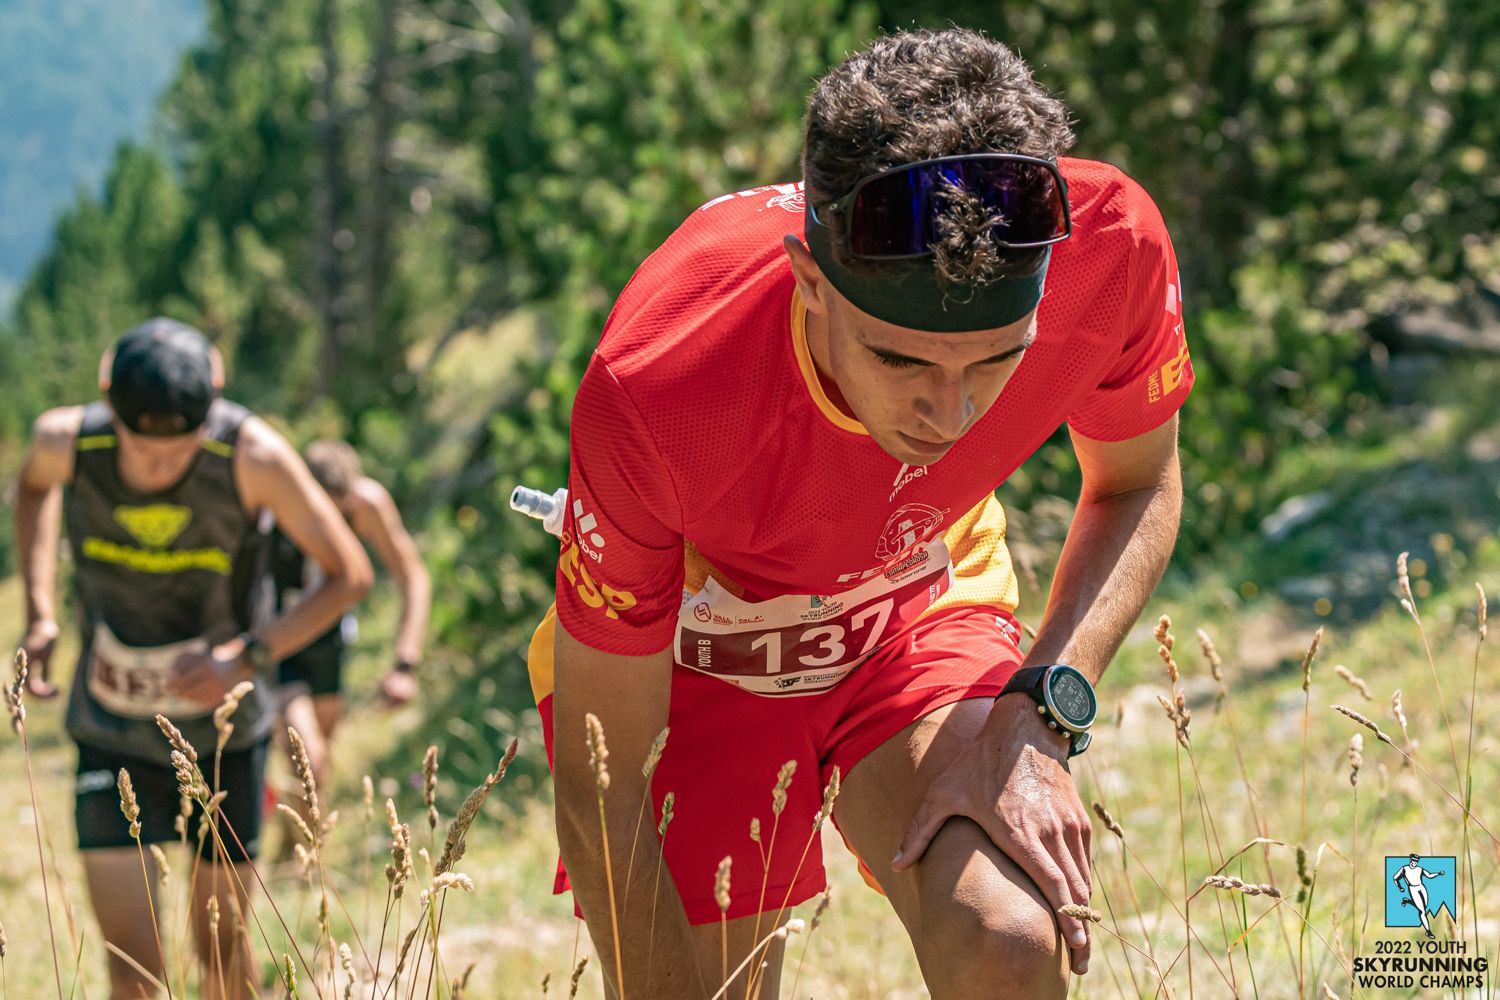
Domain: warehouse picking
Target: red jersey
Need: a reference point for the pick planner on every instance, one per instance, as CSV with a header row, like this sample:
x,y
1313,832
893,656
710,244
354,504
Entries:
x,y
721,505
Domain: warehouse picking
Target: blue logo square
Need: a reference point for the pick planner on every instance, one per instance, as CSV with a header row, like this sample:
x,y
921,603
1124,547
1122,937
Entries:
x,y
1418,887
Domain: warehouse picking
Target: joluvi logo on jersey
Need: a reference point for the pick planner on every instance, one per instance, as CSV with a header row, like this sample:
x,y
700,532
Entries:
x,y
155,526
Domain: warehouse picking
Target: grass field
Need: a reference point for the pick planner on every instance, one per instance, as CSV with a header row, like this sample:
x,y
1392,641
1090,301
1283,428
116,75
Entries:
x,y
1262,758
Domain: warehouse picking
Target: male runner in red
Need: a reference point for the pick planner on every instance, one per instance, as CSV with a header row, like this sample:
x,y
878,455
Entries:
x,y
782,535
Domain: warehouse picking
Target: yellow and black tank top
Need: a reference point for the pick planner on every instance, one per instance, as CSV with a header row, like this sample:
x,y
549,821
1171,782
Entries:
x,y
157,569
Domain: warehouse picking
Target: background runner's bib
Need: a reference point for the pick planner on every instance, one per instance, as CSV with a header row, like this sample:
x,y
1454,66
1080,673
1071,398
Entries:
x,y
801,643
132,681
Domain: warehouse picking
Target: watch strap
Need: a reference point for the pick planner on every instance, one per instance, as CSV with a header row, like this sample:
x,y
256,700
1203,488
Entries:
x,y
1027,680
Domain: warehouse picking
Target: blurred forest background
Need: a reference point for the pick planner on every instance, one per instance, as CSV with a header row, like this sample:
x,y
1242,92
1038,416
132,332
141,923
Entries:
x,y
405,220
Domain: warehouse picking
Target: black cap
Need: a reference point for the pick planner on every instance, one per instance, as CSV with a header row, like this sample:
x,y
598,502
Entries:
x,y
162,380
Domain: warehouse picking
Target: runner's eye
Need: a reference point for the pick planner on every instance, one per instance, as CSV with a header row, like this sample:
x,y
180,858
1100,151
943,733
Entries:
x,y
896,361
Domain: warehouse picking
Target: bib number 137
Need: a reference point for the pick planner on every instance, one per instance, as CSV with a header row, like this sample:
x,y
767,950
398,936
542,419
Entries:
x,y
826,645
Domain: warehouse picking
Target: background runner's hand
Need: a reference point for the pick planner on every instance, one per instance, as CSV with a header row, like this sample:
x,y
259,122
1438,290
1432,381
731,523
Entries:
x,y
1014,782
41,639
203,678
398,687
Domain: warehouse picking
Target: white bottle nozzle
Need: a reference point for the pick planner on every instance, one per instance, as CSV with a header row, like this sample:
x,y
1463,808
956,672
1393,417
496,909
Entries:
x,y
549,508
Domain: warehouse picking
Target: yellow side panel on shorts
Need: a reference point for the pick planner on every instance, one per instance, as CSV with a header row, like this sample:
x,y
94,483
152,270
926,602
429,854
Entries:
x,y
539,655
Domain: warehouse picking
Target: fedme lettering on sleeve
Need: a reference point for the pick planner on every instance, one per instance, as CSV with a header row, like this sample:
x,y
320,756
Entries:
x,y
619,574
1154,373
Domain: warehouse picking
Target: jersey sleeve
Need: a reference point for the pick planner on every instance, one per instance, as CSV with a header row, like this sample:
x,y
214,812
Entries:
x,y
619,575
1153,374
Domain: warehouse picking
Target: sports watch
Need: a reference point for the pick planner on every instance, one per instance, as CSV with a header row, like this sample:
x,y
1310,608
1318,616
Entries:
x,y
256,654
1064,697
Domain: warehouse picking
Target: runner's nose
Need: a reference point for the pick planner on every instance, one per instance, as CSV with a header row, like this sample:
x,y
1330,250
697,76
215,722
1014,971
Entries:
x,y
947,407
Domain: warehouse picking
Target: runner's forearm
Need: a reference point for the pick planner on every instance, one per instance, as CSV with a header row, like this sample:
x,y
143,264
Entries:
x,y
38,522
1116,551
313,615
416,602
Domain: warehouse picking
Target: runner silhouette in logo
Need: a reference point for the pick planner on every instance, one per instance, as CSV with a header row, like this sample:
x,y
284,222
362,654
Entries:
x,y
1410,877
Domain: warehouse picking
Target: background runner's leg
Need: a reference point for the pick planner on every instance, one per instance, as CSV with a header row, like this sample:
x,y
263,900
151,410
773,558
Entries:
x,y
979,924
124,912
235,956
329,709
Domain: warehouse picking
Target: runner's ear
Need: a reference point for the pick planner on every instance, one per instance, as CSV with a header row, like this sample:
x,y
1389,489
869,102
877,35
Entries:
x,y
106,365
809,277
216,367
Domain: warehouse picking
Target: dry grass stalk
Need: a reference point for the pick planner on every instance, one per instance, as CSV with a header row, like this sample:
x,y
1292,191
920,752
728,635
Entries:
x,y
1363,721
783,782
1400,713
1215,664
755,830
160,857
598,757
369,790
1403,584
666,813
456,842
1229,882
2,941
289,974
128,804
228,707
298,823
304,771
721,884
794,926
1180,715
1080,912
830,794
13,697
1354,681
346,959
1328,994
174,736
1484,629
653,756
1109,821
452,880
577,977
189,780
1307,660
598,750
399,869
721,896
1356,757
429,785
307,862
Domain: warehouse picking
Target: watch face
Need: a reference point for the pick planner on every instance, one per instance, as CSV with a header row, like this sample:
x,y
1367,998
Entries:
x,y
1072,697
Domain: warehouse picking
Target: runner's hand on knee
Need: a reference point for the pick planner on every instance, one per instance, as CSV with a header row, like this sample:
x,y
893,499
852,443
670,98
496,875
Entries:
x,y
1014,782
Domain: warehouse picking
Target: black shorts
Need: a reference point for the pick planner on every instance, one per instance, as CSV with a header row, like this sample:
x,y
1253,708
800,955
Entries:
x,y
319,667
96,801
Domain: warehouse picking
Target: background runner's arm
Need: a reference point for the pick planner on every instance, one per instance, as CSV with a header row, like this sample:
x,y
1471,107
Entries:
x,y
271,475
38,521
630,695
377,521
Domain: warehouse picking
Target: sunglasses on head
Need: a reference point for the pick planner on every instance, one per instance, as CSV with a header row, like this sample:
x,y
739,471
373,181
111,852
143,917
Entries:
x,y
894,214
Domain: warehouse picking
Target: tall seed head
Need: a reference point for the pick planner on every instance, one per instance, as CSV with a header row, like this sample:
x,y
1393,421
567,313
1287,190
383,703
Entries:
x,y
783,782
598,752
721,885
429,785
128,804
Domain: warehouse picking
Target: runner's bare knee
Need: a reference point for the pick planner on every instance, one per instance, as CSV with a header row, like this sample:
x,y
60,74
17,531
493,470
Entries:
x,y
985,935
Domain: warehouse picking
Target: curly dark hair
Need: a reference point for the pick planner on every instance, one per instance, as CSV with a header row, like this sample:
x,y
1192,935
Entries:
x,y
918,95
335,465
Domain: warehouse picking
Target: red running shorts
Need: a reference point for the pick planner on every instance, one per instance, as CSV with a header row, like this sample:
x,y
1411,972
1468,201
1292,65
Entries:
x,y
726,747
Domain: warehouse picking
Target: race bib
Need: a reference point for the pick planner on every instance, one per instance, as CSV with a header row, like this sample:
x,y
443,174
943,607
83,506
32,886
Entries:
x,y
801,644
132,681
